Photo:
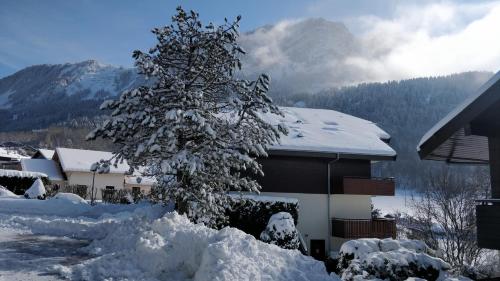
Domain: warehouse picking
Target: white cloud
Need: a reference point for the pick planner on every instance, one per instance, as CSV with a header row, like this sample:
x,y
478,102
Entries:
x,y
435,39
421,40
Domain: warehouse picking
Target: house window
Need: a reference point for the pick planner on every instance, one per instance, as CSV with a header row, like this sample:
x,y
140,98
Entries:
x,y
136,190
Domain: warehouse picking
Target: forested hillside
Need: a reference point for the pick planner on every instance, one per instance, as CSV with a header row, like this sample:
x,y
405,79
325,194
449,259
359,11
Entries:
x,y
405,109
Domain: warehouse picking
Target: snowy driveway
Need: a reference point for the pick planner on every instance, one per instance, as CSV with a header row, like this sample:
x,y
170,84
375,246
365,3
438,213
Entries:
x,y
25,256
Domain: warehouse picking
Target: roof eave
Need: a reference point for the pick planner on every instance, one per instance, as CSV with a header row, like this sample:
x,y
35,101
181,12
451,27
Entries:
x,y
328,154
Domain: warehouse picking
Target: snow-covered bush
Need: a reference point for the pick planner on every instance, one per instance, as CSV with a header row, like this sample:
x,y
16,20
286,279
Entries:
x,y
19,184
389,259
36,191
252,215
198,128
70,197
281,231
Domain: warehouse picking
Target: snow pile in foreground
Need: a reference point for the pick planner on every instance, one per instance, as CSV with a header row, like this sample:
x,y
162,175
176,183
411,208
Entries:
x,y
390,259
36,191
173,248
5,193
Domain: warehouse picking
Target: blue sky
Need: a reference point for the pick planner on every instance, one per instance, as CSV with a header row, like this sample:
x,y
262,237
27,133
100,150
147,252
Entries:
x,y
57,31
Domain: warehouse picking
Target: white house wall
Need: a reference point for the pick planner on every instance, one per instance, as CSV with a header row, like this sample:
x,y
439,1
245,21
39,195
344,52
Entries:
x,y
313,220
101,181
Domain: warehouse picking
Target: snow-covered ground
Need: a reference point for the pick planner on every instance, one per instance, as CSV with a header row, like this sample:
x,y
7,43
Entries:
x,y
66,238
24,256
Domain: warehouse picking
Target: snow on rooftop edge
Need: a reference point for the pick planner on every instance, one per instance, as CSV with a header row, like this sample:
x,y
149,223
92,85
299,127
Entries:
x,y
22,174
80,160
330,131
458,109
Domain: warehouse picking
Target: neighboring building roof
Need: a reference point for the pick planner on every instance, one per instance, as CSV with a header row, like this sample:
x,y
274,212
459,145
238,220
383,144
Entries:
x,y
21,174
80,160
452,140
11,154
48,167
322,132
44,153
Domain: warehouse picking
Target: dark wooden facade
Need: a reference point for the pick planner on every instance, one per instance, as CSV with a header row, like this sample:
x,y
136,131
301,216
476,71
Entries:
x,y
367,186
355,229
292,174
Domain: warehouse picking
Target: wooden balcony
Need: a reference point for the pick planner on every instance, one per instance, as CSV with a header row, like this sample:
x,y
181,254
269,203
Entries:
x,y
354,229
366,186
488,223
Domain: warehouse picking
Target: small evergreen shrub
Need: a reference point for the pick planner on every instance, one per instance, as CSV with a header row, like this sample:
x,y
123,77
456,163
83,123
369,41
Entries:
x,y
281,231
252,216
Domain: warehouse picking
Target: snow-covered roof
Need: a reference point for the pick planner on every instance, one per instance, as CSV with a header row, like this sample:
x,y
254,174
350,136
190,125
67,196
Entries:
x,y
459,109
80,160
12,154
452,140
48,167
46,153
22,174
330,131
263,198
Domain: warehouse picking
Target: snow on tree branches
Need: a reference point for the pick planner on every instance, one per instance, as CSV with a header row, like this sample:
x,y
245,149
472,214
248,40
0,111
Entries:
x,y
198,128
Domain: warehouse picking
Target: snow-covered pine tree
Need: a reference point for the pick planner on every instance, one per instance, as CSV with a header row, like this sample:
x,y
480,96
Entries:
x,y
198,127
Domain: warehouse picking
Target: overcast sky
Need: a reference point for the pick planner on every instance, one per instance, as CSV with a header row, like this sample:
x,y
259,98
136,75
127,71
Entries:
x,y
57,31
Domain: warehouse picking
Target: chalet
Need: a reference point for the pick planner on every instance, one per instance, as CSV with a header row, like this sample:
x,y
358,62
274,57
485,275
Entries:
x,y
325,163
470,134
75,165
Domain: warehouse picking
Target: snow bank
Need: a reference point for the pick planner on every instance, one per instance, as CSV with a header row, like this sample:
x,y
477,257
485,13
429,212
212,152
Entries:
x,y
5,193
365,259
173,248
36,191
70,197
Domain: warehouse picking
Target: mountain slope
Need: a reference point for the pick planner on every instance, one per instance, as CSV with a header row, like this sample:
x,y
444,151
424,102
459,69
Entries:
x,y
40,95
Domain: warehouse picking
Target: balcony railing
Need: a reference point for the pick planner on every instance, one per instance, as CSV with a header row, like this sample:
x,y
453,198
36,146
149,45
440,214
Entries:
x,y
488,223
367,186
370,228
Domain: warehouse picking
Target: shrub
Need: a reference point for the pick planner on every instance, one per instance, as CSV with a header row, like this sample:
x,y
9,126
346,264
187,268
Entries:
x,y
120,196
388,259
251,214
281,231
19,185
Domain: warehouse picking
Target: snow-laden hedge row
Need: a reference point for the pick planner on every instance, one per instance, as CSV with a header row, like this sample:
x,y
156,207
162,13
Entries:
x,y
389,259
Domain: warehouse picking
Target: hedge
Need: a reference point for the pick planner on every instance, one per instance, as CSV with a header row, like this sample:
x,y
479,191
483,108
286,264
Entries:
x,y
19,185
252,215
